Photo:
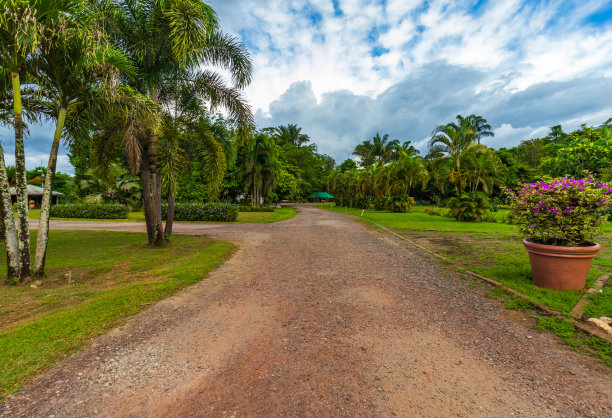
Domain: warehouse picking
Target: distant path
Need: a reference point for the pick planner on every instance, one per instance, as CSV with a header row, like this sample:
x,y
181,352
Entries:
x,y
319,316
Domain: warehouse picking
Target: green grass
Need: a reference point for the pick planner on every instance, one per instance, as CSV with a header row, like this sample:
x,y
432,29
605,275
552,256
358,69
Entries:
x,y
417,220
281,214
493,250
96,280
566,331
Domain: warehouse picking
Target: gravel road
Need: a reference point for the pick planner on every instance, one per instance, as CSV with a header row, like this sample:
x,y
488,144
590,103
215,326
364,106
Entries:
x,y
319,316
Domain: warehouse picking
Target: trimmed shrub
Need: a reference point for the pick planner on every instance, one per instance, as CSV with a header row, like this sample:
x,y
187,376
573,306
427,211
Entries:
x,y
216,212
90,210
468,207
256,208
399,203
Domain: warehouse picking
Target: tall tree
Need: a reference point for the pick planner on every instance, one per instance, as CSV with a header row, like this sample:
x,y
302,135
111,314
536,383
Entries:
x,y
289,134
9,231
20,27
261,167
453,140
170,37
75,69
480,126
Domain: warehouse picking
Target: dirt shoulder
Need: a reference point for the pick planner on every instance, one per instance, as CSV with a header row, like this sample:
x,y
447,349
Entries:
x,y
320,316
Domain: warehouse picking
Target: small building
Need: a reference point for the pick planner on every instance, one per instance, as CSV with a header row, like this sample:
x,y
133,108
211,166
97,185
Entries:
x,y
35,193
319,197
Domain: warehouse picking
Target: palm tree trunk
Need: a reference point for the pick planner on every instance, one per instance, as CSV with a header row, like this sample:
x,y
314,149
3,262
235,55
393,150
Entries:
x,y
45,207
158,226
146,195
23,231
8,223
170,215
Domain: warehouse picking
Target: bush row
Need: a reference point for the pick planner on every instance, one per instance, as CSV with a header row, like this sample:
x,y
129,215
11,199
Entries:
x,y
90,210
217,212
244,208
396,202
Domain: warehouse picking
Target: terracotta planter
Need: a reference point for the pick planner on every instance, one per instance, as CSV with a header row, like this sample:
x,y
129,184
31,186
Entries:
x,y
560,268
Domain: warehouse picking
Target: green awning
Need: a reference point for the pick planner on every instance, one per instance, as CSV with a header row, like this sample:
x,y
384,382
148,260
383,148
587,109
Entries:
x,y
320,195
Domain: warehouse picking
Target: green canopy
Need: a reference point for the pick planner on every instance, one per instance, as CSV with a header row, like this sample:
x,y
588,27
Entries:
x,y
320,195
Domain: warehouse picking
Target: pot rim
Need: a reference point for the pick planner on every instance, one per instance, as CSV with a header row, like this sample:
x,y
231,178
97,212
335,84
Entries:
x,y
526,243
560,251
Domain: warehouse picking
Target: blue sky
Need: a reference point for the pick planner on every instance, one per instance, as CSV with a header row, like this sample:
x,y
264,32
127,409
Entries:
x,y
346,69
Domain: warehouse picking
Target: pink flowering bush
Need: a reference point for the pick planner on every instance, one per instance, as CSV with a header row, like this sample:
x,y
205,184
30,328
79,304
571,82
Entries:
x,y
562,211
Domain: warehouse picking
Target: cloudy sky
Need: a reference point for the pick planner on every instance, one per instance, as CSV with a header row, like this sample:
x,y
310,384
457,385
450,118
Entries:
x,y
344,70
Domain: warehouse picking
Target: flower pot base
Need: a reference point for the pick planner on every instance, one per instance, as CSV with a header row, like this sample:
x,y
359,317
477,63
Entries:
x,y
560,268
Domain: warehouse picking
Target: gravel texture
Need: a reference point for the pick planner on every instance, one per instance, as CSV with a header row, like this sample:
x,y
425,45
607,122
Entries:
x,y
319,316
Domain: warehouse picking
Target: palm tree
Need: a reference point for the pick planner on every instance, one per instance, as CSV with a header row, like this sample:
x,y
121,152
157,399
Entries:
x,y
289,134
480,126
383,149
117,186
9,231
169,39
20,24
486,170
76,70
365,152
24,24
179,136
379,150
453,140
261,167
409,171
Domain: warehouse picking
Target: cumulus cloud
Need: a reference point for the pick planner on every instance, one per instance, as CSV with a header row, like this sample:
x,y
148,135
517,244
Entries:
x,y
433,95
346,69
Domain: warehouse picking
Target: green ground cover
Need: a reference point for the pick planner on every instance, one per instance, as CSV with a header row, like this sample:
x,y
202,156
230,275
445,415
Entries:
x,y
96,280
281,214
495,251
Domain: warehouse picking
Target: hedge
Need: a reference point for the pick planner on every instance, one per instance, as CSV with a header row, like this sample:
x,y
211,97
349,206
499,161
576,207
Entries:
x,y
243,208
217,212
90,210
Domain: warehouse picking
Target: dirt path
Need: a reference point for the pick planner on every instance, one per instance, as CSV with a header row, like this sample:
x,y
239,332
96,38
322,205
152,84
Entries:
x,y
318,316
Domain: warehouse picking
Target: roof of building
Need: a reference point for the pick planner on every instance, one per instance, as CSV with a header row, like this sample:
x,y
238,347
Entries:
x,y
322,195
36,191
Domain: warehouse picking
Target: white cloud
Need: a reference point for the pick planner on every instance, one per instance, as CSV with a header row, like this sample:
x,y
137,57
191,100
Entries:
x,y
405,66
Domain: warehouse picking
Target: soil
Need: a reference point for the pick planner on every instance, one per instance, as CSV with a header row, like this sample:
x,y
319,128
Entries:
x,y
320,316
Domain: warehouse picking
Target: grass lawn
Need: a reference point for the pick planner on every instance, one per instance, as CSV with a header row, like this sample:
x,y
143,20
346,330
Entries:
x,y
493,250
281,214
96,280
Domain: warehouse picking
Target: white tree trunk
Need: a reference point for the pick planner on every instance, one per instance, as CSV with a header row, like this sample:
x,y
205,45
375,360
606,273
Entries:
x,y
45,207
10,232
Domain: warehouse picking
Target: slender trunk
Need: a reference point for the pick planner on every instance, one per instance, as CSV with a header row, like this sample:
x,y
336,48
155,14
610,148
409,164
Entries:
x,y
170,216
253,195
23,231
8,223
45,207
158,226
146,196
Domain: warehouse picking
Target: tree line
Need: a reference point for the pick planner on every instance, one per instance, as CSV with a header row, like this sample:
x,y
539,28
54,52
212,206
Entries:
x,y
458,170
